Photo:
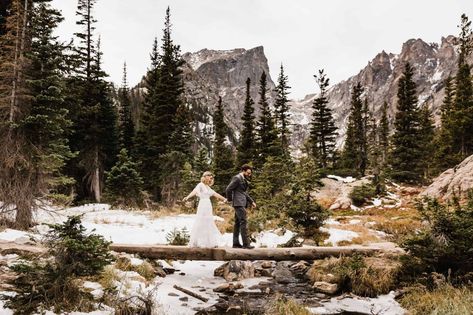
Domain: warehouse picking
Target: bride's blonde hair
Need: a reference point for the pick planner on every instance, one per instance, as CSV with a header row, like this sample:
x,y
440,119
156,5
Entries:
x,y
207,178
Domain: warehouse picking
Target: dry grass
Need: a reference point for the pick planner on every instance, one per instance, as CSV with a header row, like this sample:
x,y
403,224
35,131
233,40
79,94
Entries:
x,y
444,300
108,277
167,211
146,270
369,276
283,306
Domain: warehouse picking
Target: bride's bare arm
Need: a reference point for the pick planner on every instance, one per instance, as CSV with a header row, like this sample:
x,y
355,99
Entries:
x,y
192,194
220,197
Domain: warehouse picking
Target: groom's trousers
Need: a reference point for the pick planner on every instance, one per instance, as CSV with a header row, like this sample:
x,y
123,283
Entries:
x,y
240,227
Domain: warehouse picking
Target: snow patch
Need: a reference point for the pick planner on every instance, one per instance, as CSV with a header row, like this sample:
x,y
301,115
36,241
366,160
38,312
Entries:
x,y
348,179
384,304
337,235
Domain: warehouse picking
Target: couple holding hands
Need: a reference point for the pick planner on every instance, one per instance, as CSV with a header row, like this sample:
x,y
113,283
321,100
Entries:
x,y
204,232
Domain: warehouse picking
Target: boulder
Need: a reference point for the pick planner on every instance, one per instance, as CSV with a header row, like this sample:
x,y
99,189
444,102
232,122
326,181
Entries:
x,y
457,180
325,287
236,270
228,288
282,274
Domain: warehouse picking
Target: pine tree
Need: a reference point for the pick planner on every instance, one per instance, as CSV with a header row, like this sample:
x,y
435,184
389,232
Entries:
x,y
94,114
323,131
247,147
201,161
33,119
426,141
267,134
179,154
124,183
223,165
127,128
384,134
146,148
463,104
446,155
406,155
108,132
162,101
354,156
281,109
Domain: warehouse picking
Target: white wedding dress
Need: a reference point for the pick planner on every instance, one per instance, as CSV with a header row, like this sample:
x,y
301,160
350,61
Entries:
x,y
204,232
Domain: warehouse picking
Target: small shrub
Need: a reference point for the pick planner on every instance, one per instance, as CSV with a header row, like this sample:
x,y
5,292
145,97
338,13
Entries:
x,y
178,237
53,283
443,300
446,244
124,183
361,194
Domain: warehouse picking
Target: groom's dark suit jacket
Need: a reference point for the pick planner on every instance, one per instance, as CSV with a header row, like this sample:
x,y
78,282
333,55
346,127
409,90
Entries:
x,y
237,192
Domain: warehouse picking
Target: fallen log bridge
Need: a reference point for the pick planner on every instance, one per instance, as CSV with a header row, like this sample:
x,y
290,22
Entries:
x,y
228,253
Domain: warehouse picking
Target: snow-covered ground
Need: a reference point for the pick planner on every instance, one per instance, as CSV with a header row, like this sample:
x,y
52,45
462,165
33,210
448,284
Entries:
x,y
120,226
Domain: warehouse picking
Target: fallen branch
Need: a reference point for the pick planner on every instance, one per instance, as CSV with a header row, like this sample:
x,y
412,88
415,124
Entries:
x,y
197,296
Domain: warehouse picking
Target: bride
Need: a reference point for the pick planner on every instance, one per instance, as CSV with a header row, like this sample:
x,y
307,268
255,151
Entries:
x,y
204,232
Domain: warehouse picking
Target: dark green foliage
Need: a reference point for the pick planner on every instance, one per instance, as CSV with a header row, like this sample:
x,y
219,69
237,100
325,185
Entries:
x,y
124,182
95,118
454,141
362,194
201,161
304,211
383,135
178,155
267,133
406,155
426,140
127,127
281,111
46,125
52,284
158,132
445,245
268,188
323,132
445,155
223,163
463,103
247,147
355,151
178,237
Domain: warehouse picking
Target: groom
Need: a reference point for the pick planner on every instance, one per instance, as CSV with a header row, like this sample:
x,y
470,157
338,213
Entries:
x,y
238,195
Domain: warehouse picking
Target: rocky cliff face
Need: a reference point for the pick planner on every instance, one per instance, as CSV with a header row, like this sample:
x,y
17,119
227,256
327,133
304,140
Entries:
x,y
433,64
211,73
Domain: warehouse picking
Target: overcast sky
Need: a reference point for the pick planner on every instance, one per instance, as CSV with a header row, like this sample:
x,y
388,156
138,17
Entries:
x,y
340,36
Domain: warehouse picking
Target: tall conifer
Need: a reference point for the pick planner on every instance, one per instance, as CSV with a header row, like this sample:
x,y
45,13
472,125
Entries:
x,y
223,164
127,128
405,158
281,110
267,134
247,147
323,131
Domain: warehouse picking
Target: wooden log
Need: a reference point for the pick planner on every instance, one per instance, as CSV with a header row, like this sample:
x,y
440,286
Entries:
x,y
189,292
227,253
